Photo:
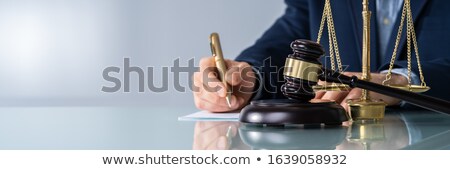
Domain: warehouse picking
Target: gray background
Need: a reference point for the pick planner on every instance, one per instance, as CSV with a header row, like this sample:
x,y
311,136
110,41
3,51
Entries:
x,y
52,53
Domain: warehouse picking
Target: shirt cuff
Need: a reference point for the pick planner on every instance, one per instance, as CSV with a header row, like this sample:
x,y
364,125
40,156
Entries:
x,y
404,72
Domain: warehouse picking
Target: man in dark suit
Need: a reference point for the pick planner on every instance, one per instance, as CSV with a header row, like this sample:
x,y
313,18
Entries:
x,y
255,73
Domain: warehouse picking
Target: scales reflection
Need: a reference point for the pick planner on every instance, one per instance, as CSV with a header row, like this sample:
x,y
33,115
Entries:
x,y
390,133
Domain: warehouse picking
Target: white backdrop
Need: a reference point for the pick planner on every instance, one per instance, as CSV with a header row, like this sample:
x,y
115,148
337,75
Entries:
x,y
53,52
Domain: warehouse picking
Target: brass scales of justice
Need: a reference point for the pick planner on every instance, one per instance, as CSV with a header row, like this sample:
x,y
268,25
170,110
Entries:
x,y
365,107
300,86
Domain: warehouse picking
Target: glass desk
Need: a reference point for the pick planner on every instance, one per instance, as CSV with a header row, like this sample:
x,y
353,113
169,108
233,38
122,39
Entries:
x,y
149,128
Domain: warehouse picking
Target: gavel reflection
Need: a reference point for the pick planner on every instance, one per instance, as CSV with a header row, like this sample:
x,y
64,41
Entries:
x,y
303,70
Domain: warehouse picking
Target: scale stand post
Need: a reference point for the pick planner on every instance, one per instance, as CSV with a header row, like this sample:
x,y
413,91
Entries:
x,y
366,108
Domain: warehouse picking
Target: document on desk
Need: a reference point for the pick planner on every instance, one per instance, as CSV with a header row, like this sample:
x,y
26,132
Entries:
x,y
208,116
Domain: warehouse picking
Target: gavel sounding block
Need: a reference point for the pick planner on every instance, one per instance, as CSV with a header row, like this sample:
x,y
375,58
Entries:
x,y
281,112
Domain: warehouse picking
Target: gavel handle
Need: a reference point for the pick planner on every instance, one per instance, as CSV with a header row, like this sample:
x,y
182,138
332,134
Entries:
x,y
420,100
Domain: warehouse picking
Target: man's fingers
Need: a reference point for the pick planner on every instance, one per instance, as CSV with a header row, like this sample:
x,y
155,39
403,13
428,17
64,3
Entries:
x,y
209,76
208,81
334,95
210,91
197,82
214,85
233,76
319,94
211,101
353,94
211,94
241,78
207,63
238,72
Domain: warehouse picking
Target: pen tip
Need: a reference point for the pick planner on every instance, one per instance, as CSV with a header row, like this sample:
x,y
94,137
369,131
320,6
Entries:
x,y
229,102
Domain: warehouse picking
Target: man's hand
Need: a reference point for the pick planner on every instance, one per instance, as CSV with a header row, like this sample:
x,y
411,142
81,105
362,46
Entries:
x,y
210,92
342,97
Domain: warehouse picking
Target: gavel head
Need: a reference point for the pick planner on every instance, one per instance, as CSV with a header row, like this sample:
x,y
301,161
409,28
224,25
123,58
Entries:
x,y
302,69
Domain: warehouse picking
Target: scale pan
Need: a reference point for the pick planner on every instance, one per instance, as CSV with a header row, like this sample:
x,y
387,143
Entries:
x,y
412,88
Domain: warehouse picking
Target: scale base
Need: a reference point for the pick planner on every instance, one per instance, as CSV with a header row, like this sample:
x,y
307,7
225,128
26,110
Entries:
x,y
366,109
290,112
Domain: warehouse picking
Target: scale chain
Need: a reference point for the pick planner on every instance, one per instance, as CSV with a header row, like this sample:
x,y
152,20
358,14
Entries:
x,y
408,33
411,37
332,40
416,47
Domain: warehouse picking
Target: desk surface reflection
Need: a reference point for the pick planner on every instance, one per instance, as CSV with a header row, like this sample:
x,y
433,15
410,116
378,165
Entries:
x,y
399,130
156,128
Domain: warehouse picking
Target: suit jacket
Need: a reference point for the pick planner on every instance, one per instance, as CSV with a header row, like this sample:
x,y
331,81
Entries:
x,y
302,18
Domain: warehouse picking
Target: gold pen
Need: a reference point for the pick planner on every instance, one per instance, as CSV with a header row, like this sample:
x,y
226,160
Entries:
x,y
216,51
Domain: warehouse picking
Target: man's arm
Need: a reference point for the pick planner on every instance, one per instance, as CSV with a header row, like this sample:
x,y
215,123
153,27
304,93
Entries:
x,y
436,73
268,54
433,38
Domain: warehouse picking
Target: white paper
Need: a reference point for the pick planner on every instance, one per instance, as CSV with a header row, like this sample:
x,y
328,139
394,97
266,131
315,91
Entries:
x,y
208,116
